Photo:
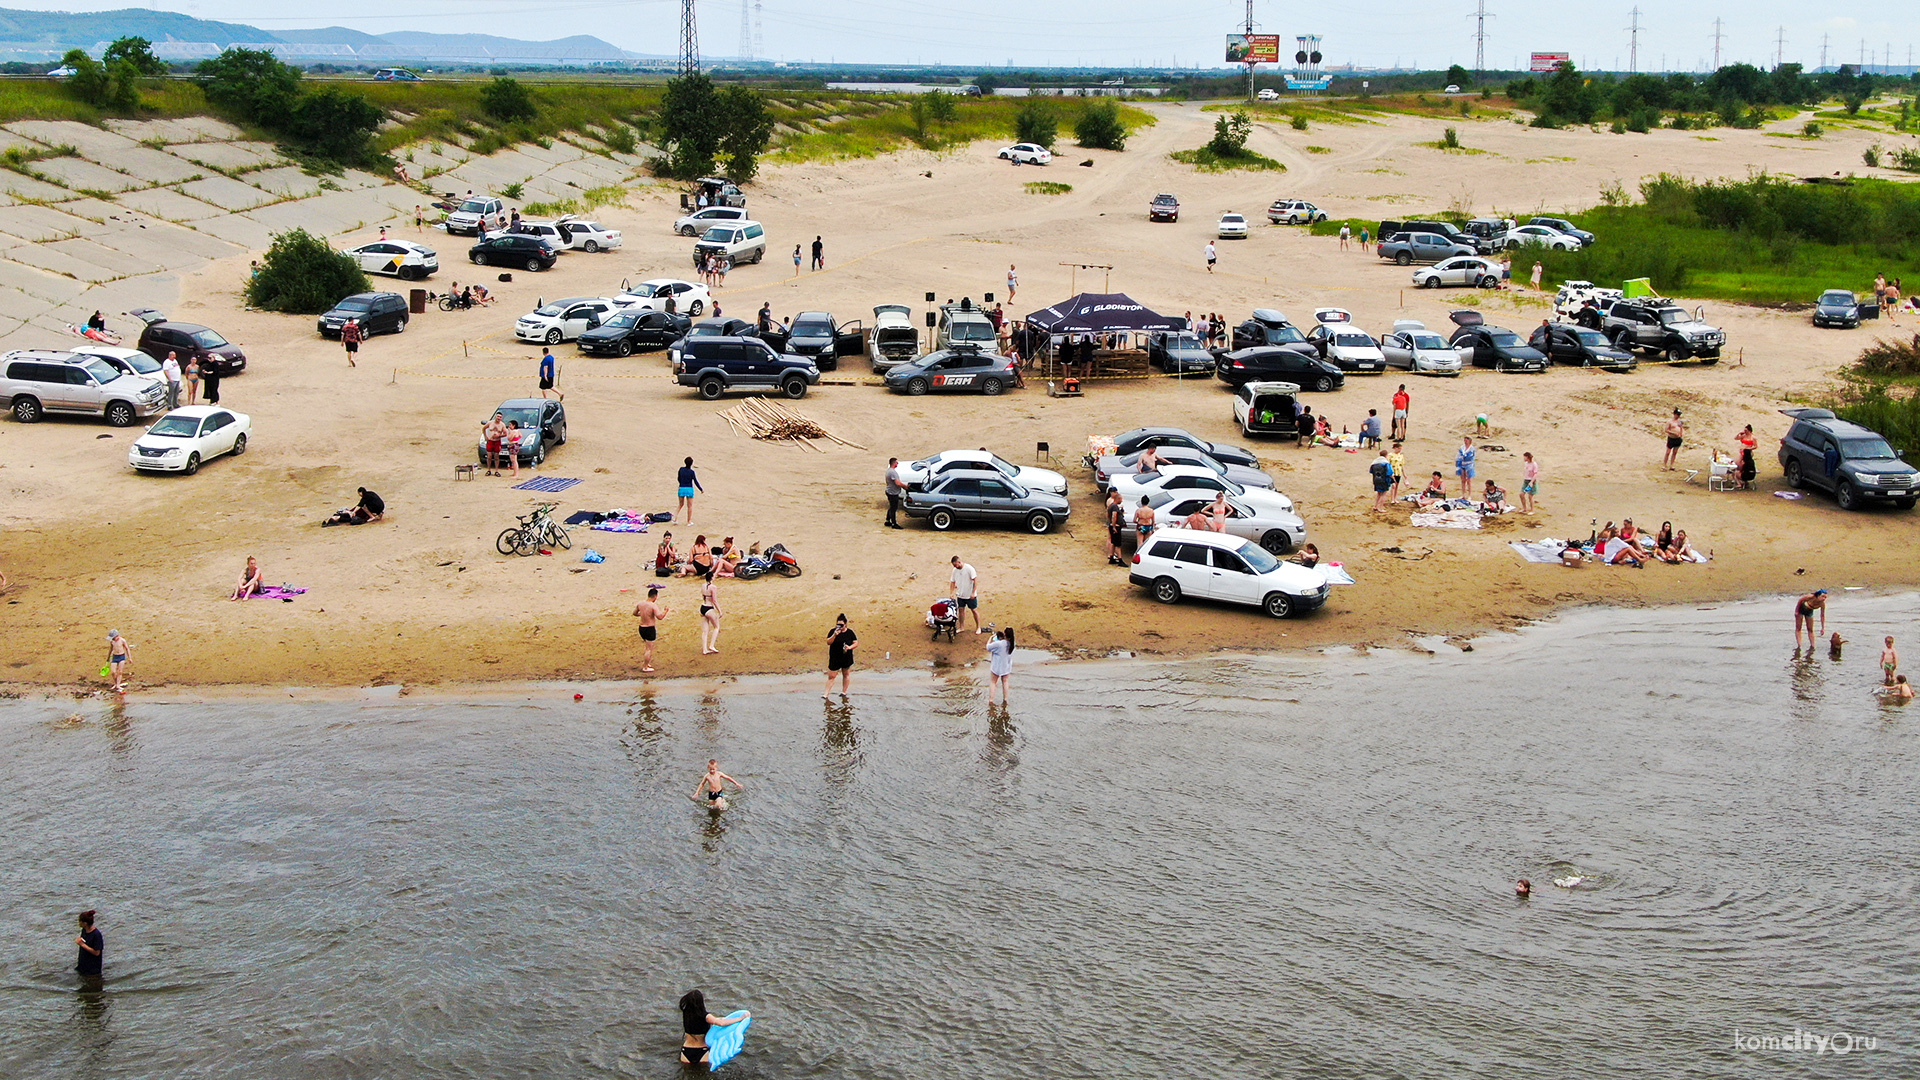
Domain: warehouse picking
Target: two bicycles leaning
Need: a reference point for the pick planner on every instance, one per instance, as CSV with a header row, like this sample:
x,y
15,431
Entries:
x,y
535,531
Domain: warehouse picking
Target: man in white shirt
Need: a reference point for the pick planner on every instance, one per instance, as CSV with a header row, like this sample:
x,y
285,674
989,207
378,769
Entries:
x,y
966,590
1212,256
170,368
896,489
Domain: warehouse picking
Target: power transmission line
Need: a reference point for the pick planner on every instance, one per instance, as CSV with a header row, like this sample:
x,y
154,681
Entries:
x,y
689,39
1823,51
746,29
1633,44
1717,35
1480,18
759,42
1780,48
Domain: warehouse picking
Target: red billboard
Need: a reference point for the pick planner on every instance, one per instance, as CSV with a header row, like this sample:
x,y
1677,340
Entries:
x,y
1253,48
1549,61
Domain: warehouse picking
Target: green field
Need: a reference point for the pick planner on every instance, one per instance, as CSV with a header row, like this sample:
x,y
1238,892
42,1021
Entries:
x,y
827,126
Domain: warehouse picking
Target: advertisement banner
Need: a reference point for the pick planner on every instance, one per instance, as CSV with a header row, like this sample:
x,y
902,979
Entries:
x,y
1549,61
1253,48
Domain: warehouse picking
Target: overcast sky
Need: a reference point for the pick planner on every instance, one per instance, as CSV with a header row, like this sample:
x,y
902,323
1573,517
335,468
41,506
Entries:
x,y
1128,32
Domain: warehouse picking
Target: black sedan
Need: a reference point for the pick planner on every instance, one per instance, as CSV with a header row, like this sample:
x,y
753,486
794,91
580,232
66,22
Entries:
x,y
1498,348
959,368
513,249
985,495
1271,363
1178,352
1566,344
633,330
1837,307
1132,442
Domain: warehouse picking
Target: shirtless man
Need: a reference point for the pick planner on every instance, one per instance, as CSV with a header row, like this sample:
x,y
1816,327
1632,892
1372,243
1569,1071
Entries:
x,y
713,786
494,431
649,611
1143,524
1149,460
1676,435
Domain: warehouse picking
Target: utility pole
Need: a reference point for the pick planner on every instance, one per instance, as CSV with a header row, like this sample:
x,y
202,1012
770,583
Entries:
x,y
1480,18
1633,43
689,39
1717,35
746,29
1780,48
1823,51
1250,64
1863,57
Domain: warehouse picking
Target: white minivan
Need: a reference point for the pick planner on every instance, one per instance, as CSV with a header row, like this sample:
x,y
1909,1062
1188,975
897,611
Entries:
x,y
1176,563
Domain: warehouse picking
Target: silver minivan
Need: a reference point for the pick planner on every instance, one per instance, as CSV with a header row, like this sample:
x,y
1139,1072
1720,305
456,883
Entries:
x,y
737,242
38,381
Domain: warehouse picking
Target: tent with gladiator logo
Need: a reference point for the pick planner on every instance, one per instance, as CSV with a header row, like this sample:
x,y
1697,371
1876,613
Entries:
x,y
1102,313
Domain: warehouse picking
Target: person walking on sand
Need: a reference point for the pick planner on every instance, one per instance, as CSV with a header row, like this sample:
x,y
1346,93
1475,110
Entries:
x,y
710,613
350,339
966,590
1213,256
819,254
796,260
1382,471
1889,661
120,654
1116,524
840,644
649,611
1538,270
549,374
1803,611
999,663
1401,401
896,490
689,484
1676,435
713,786
1463,459
93,948
1529,482
1013,281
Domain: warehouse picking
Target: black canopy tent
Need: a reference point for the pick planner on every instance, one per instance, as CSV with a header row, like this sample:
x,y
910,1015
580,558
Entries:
x,y
1091,314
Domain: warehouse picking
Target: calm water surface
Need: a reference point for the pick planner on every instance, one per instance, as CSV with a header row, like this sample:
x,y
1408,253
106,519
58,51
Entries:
x,y
1285,865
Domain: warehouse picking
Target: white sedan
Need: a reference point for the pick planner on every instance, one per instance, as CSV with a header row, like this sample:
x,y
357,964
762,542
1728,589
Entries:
x,y
1192,479
588,236
1233,226
1027,154
563,320
918,474
688,298
1521,235
1414,347
403,259
1473,271
188,437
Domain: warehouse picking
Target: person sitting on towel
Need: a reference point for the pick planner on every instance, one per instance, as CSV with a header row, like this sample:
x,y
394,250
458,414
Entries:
x,y
1494,499
1436,492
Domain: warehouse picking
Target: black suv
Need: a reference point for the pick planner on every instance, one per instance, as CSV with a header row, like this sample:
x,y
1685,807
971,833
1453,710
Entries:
x,y
378,312
1493,347
189,341
818,335
1270,327
1823,451
718,364
633,329
513,249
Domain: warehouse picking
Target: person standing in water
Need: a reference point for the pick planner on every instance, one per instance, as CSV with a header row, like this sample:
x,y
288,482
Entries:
x,y
1889,661
120,653
840,644
696,1021
999,663
713,786
1803,610
93,947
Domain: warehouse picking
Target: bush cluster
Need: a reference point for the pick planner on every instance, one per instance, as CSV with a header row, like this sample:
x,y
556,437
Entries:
x,y
260,90
300,274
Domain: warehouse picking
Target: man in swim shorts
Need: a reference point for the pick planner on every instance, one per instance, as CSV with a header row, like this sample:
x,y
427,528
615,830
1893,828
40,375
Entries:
x,y
649,611
713,786
1676,436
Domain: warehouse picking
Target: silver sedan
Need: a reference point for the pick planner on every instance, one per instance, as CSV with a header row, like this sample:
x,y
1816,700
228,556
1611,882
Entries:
x,y
1125,464
1422,352
1279,531
1468,270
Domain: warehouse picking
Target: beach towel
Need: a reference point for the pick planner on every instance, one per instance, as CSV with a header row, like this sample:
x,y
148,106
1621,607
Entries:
x,y
1452,519
1334,573
1539,551
584,517
620,525
277,592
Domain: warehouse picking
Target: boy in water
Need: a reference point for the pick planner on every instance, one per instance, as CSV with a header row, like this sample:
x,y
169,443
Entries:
x,y
1889,662
713,786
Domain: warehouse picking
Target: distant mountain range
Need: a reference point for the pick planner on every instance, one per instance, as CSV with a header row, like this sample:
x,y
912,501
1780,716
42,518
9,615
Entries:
x,y
40,35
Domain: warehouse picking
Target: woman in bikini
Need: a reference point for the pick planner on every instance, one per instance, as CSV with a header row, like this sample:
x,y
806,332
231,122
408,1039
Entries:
x,y
1436,492
251,580
696,1022
1803,610
699,557
709,615
727,558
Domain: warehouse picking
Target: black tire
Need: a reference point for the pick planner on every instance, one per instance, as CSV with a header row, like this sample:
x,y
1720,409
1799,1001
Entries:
x,y
1675,354
1845,497
1039,523
533,266
787,569
711,389
27,410
1794,477
1277,542
563,538
917,386
507,542
477,258
239,445
1431,283
590,246
1323,384
941,519
689,231
1617,335
747,572
560,435
991,387
1279,605
625,348
1405,258
193,464
694,309
446,303
400,327
119,414
1489,282
1500,364
554,335
795,388
1166,590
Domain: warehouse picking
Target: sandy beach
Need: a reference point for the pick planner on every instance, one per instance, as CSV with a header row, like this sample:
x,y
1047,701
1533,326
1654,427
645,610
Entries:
x,y
424,598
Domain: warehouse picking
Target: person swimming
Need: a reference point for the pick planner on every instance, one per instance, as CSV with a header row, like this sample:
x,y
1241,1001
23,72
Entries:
x,y
713,786
696,1022
1523,888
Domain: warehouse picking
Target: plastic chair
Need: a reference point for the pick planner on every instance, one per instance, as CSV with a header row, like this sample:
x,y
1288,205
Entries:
x,y
1723,475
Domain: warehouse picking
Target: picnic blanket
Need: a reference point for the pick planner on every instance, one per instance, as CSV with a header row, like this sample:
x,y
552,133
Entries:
x,y
277,592
621,525
1451,519
1333,573
547,483
1539,551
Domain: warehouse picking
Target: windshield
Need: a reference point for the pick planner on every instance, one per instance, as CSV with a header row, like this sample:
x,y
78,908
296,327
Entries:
x,y
1866,449
1669,316
1183,342
1593,339
526,418
644,290
706,330
718,235
1195,457
1836,298
207,339
176,427
811,327
1285,335
550,310
971,331
624,319
1504,338
1003,465
1353,341
102,371
1429,341
353,303
473,206
1258,557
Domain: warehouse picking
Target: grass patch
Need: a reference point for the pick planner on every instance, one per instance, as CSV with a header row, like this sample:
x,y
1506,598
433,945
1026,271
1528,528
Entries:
x,y
1325,150
590,200
20,159
838,127
1205,160
1047,187
1441,145
1874,404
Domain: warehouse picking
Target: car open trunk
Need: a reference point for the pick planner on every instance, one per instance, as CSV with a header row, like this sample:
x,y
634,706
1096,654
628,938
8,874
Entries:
x,y
1271,412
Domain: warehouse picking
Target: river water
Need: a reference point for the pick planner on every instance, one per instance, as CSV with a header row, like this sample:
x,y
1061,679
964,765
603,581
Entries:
x,y
1279,865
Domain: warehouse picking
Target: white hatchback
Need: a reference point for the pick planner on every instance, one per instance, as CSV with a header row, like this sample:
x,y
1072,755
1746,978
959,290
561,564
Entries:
x,y
187,437
1179,563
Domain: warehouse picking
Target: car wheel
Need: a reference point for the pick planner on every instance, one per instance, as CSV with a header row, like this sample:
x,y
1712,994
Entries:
x,y
193,464
688,231
119,414
711,389
1278,605
1277,541
941,520
539,456
239,445
1675,354
1166,590
625,348
1500,364
26,410
991,387
1039,523
1323,384
553,336
401,326
560,435
1845,496
916,387
1404,258
1489,282
590,246
1618,335
1430,282
1794,477
794,388
694,309
533,266
476,258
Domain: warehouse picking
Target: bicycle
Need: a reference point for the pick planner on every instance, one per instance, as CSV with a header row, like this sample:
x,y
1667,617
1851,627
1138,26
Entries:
x,y
534,531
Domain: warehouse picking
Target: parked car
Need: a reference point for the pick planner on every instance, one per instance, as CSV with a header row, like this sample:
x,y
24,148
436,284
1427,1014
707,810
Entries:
x,y
816,334
403,259
189,437
1487,234
715,365
964,324
396,75
1412,247
716,191
1278,531
1837,307
1417,349
630,330
1268,363
511,249
1493,347
1269,326
188,341
477,215
700,220
1198,480
1522,235
896,340
1026,154
377,312
1567,344
688,298
1294,212
1179,563
739,243
1475,271
1656,324
1267,408
919,473
34,382
1138,439
542,426
776,338
589,236
1178,352
962,367
1110,468
127,361
1573,296
1164,207
547,232
1857,465
1564,227
1445,229
563,320
1233,226
985,495
1345,345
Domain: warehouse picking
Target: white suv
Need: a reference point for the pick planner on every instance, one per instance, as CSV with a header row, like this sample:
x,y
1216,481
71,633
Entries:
x,y
1294,212
700,220
34,382
477,215
1175,563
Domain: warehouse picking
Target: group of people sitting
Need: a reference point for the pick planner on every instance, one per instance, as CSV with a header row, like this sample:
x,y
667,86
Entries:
x,y
1629,546
699,559
475,295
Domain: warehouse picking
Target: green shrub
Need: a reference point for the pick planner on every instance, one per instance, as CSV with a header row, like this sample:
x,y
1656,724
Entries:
x,y
1035,123
1907,159
1047,187
336,125
1299,122
1890,359
1871,155
513,190
1811,130
619,138
251,82
507,101
1895,418
1230,135
301,275
1451,140
1099,126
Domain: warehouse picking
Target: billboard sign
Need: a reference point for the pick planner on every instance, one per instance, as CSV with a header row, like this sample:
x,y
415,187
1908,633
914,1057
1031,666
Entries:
x,y
1253,48
1549,61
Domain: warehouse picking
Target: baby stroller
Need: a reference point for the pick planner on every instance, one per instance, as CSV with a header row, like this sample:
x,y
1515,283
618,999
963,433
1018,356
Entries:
x,y
944,617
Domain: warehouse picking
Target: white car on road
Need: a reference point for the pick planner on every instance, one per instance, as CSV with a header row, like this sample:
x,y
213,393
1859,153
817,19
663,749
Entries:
x,y
403,259
1195,479
1027,153
1181,563
1521,235
917,474
689,299
1233,226
1417,349
563,320
188,437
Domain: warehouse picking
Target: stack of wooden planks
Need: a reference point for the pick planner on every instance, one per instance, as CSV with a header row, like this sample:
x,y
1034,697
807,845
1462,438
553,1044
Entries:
x,y
764,418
